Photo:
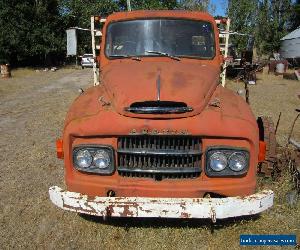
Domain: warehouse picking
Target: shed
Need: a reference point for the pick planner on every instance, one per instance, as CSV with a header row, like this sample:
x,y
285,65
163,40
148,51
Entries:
x,y
290,46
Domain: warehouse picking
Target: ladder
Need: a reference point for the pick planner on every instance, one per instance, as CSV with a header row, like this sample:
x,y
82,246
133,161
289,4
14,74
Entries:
x,y
96,22
224,44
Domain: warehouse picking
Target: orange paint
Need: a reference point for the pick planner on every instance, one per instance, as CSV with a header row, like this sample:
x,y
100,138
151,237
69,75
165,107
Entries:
x,y
262,151
59,149
219,118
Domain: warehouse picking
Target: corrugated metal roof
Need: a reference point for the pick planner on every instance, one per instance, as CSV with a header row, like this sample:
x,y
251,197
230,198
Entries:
x,y
294,34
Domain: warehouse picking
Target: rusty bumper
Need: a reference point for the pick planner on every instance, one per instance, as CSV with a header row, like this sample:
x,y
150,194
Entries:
x,y
213,208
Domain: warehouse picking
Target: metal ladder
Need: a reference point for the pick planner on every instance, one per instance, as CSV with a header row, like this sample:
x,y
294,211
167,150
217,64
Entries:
x,y
224,40
96,22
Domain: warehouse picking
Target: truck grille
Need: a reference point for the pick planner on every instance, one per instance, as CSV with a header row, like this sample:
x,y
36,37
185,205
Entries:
x,y
159,157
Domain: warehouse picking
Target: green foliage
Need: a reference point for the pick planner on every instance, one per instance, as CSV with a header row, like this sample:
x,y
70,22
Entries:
x,y
31,31
200,5
243,20
267,20
296,15
153,4
273,24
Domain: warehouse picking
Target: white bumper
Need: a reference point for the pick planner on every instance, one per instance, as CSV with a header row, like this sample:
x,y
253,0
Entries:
x,y
213,208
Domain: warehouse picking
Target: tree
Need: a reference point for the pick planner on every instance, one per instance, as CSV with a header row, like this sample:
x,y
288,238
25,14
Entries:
x,y
46,37
296,15
267,20
13,28
273,23
31,31
243,14
200,5
153,4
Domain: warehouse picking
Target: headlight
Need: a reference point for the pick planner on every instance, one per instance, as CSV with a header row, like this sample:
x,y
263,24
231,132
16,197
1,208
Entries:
x,y
222,161
83,158
237,162
101,159
94,159
218,161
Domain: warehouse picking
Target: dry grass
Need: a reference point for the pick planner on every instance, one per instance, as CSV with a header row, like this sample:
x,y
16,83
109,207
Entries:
x,y
31,117
273,95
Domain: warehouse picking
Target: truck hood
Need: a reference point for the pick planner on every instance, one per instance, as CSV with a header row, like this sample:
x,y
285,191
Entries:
x,y
173,82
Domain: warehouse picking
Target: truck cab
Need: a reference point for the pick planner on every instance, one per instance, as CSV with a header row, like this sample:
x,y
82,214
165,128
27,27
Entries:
x,y
160,136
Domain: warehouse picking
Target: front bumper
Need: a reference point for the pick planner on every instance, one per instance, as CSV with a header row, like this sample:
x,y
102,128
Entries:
x,y
213,208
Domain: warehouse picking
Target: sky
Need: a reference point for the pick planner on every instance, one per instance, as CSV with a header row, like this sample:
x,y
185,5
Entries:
x,y
221,6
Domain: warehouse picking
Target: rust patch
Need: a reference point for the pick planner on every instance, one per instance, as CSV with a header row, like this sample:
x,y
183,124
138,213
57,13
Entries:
x,y
182,205
79,210
127,212
109,210
185,215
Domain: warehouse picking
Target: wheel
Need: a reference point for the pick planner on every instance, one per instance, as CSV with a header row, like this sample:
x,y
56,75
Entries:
x,y
267,135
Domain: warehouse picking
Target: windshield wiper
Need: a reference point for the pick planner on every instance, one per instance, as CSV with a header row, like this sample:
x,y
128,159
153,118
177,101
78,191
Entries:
x,y
163,54
126,56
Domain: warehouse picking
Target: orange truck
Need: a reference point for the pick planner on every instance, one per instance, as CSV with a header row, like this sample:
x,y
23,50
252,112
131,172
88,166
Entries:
x,y
160,136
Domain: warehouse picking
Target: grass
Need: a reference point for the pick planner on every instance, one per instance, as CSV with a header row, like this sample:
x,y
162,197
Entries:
x,y
32,110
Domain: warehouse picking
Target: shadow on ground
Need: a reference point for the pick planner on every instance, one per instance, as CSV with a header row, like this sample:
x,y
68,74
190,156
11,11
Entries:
x,y
167,222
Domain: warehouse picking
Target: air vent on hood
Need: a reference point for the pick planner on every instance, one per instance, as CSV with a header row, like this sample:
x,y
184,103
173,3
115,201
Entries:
x,y
158,107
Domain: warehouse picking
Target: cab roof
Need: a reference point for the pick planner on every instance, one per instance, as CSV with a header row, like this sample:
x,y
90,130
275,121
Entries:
x,y
144,14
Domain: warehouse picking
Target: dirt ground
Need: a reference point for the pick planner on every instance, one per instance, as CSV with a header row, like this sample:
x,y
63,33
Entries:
x,y
32,110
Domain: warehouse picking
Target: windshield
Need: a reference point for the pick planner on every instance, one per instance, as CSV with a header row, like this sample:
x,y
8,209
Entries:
x,y
180,38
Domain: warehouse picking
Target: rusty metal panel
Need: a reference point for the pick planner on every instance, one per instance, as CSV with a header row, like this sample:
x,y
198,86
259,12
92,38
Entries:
x,y
213,208
71,42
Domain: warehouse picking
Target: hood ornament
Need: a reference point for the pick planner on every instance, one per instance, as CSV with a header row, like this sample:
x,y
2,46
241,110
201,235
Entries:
x,y
158,86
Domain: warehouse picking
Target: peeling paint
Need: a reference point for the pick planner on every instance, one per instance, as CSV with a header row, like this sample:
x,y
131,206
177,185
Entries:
x,y
211,208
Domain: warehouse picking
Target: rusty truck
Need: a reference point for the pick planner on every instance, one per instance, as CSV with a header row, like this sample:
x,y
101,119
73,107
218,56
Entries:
x,y
160,136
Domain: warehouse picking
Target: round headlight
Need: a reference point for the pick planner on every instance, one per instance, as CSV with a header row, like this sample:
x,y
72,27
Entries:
x,y
218,161
101,159
83,158
237,161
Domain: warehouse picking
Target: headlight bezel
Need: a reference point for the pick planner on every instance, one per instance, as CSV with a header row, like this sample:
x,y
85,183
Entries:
x,y
227,171
93,148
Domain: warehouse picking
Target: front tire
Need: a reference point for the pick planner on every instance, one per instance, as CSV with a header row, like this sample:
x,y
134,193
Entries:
x,y
267,135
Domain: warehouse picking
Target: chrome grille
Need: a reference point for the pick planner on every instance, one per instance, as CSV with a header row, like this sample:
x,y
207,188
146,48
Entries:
x,y
155,156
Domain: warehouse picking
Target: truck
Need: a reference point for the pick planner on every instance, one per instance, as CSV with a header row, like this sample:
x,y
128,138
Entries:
x,y
160,136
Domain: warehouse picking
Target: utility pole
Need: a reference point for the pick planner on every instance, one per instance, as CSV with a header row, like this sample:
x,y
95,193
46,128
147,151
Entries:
x,y
128,5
